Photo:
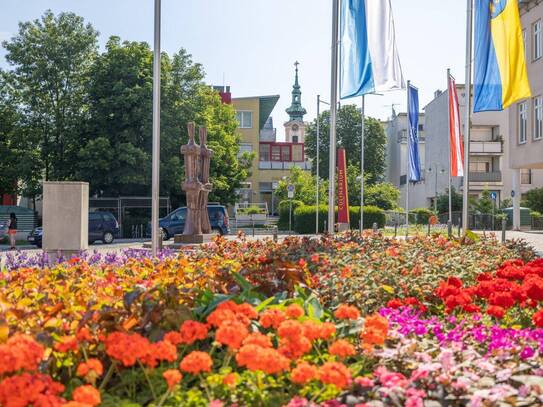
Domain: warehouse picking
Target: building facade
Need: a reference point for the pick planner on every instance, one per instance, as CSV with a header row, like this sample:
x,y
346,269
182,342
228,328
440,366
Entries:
x,y
489,151
396,130
273,159
526,117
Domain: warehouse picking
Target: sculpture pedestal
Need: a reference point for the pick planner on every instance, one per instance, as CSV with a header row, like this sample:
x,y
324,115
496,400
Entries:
x,y
194,239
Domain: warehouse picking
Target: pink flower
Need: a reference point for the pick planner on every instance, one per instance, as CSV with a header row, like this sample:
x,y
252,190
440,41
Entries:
x,y
216,403
364,382
414,402
419,374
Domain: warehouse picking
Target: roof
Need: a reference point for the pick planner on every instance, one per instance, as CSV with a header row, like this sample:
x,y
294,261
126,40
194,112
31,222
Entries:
x,y
266,106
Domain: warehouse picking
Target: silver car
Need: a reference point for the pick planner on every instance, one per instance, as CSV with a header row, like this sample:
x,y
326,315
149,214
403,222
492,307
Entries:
x,y
3,231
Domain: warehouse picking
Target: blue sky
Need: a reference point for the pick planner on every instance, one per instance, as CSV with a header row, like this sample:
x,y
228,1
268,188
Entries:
x,y
251,45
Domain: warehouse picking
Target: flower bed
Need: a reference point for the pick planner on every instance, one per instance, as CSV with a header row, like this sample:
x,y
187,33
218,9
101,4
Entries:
x,y
328,322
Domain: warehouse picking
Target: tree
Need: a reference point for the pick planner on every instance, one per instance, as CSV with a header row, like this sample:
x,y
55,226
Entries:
x,y
305,187
443,201
51,59
485,204
534,200
382,194
348,136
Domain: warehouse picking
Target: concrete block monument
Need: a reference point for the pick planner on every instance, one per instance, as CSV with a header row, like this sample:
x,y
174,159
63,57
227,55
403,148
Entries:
x,y
65,217
197,187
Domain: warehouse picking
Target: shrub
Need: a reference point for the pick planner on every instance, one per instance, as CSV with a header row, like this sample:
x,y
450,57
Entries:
x,y
284,207
534,199
304,218
420,216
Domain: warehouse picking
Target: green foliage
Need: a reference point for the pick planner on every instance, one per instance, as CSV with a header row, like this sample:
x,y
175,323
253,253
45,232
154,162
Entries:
x,y
420,216
348,136
383,195
284,210
506,203
443,201
305,187
305,216
485,204
534,199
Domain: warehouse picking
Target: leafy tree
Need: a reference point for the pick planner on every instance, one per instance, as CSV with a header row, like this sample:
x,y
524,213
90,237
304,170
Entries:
x,y
443,201
305,187
484,204
382,195
348,136
534,199
51,59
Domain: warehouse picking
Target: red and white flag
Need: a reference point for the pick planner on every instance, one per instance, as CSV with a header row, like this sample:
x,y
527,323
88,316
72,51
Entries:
x,y
455,134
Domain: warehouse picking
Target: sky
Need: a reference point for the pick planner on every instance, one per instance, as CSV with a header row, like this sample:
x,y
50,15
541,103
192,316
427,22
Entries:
x,y
251,45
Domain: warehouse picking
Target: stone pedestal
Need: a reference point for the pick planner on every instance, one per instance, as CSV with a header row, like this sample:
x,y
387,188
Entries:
x,y
65,217
194,239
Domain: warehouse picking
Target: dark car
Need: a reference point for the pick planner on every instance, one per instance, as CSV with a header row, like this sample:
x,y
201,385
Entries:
x,y
174,223
102,226
3,231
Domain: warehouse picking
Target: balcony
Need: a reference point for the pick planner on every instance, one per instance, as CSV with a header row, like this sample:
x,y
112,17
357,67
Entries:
x,y
486,147
494,176
284,165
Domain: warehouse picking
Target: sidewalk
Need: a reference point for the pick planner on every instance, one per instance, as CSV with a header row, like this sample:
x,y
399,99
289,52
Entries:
x,y
535,239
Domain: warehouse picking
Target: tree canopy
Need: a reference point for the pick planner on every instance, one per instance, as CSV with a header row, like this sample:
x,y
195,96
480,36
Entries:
x,y
349,122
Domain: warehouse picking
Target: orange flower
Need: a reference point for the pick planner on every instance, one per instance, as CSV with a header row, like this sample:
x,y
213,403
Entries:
x,y
230,380
191,331
87,394
347,312
269,361
91,369
312,330
304,373
375,331
28,389
256,338
231,333
175,338
217,317
294,311
83,335
247,310
341,348
290,329
66,344
196,362
294,347
272,318
335,373
172,377
160,351
126,348
327,330
20,352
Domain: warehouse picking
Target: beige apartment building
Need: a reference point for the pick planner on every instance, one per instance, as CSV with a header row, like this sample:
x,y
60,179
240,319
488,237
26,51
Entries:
x,y
526,117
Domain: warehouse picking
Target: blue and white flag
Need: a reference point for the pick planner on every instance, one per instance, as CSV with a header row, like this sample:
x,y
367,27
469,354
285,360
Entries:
x,y
369,57
413,128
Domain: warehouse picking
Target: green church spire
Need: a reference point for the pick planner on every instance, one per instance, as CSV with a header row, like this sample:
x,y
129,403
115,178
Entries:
x,y
296,111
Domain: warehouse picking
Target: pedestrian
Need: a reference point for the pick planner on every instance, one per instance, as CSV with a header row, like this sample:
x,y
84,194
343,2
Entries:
x,y
12,230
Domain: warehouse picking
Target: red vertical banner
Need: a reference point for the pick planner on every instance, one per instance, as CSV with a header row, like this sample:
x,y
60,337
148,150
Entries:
x,y
342,193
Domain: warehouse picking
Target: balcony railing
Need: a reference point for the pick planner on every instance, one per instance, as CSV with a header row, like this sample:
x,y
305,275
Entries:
x,y
494,176
284,165
486,147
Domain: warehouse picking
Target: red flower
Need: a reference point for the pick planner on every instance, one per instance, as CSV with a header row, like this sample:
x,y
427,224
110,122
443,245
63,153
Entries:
x,y
537,318
87,394
231,333
304,373
294,311
172,377
502,299
196,362
272,318
192,331
495,311
335,373
395,303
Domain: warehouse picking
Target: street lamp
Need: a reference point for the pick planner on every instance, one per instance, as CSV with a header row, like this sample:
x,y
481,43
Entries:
x,y
441,171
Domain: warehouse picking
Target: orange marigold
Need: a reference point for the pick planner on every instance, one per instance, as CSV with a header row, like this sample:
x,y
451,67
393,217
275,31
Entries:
x,y
160,351
172,377
30,389
66,344
230,380
256,338
192,331
290,329
20,352
267,360
303,373
294,311
335,373
294,347
247,310
375,331
196,362
231,333
347,312
126,348
272,318
327,330
87,394
312,330
91,365
341,348
220,315
175,338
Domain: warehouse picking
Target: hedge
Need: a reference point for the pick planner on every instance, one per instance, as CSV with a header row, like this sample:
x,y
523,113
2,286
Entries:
x,y
420,216
304,218
284,207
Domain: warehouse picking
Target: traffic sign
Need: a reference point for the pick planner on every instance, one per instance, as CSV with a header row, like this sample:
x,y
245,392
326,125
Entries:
x,y
512,194
290,190
494,195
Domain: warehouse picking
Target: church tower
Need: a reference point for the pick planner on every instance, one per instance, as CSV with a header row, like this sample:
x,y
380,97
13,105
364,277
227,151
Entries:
x,y
295,127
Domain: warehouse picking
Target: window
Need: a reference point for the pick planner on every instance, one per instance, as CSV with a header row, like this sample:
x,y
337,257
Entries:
x,y
96,217
421,127
264,152
294,139
479,166
285,153
276,153
297,153
538,118
245,148
538,46
245,120
522,122
526,176
495,133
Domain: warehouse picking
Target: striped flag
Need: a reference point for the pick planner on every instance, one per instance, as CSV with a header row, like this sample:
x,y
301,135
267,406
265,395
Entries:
x,y
455,134
369,57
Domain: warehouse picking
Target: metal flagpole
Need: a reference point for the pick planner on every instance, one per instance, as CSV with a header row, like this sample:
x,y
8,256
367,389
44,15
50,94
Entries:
x,y
467,124
333,116
362,137
408,165
318,147
449,127
155,235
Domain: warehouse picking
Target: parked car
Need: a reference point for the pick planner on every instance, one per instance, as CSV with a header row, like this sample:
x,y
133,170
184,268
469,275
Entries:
x,y
102,226
3,231
174,223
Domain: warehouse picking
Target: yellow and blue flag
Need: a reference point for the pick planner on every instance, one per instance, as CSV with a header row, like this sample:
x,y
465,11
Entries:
x,y
501,78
